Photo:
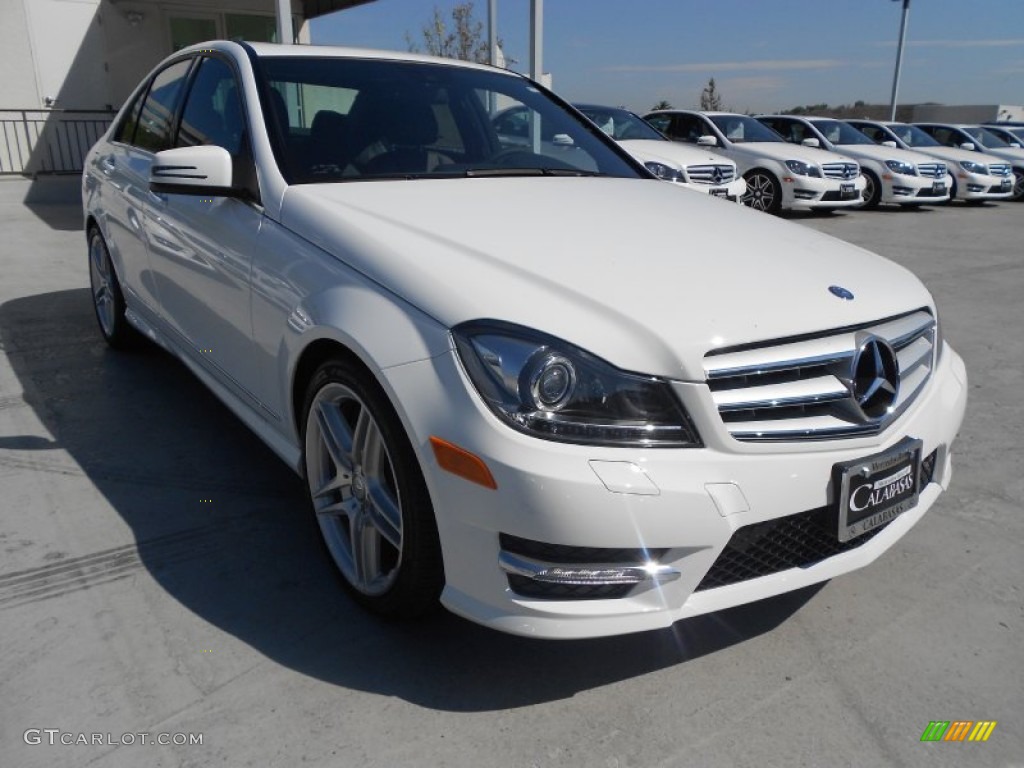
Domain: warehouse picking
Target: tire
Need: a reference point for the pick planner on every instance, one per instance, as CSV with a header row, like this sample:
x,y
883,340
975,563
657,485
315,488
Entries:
x,y
107,298
764,193
952,191
1018,184
872,190
368,493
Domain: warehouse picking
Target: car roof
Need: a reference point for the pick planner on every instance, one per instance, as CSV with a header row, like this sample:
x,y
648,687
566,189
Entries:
x,y
582,106
271,50
804,117
691,112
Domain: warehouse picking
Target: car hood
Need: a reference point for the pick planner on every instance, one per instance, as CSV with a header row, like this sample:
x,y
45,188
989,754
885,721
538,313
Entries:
x,y
599,262
953,155
881,154
782,151
672,153
1007,154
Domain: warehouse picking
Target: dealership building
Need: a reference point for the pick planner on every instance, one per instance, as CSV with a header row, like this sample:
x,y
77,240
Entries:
x,y
69,64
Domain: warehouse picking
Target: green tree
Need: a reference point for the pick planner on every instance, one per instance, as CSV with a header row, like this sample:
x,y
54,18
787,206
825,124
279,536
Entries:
x,y
710,98
461,37
662,105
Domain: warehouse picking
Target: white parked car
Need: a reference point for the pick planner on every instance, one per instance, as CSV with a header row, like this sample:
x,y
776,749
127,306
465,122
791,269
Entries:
x,y
690,167
977,138
779,175
976,177
892,175
563,399
1012,135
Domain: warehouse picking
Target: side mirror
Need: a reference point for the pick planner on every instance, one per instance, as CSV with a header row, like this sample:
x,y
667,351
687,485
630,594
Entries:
x,y
562,140
890,143
1015,145
707,141
192,171
811,142
968,145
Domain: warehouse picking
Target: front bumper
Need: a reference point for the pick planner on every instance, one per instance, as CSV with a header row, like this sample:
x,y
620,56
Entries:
x,y
914,190
732,191
809,193
980,186
679,508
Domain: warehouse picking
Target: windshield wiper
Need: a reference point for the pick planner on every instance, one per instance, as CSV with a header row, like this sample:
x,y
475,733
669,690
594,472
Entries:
x,y
483,172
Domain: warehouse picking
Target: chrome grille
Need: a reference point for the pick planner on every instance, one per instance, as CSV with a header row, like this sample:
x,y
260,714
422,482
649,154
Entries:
x,y
932,170
841,170
711,174
797,390
999,169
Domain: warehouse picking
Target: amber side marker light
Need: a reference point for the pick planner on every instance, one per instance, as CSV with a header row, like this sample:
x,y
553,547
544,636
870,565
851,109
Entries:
x,y
461,462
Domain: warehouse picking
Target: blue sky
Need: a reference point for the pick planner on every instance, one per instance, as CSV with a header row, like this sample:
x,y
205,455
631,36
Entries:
x,y
765,55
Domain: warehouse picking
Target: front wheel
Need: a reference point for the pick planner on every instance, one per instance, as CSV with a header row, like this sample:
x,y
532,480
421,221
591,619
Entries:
x,y
1018,184
872,194
763,192
368,493
107,298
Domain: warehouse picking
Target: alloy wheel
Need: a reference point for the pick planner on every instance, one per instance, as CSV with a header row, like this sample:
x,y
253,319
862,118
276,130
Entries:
x,y
354,488
101,278
762,193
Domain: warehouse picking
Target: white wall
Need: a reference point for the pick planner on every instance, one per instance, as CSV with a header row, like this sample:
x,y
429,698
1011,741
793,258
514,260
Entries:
x,y
67,43
18,82
87,54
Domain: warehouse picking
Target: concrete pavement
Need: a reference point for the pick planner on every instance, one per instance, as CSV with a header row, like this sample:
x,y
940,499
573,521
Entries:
x,y
160,574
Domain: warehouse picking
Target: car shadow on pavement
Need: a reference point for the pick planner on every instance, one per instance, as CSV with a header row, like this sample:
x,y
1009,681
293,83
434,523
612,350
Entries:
x,y
61,217
222,526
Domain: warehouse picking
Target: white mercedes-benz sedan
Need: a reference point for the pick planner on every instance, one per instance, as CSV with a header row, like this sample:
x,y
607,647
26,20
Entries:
x,y
778,175
533,383
891,175
976,177
692,167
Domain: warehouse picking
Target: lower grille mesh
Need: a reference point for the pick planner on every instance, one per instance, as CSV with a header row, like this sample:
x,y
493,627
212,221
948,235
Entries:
x,y
777,545
796,541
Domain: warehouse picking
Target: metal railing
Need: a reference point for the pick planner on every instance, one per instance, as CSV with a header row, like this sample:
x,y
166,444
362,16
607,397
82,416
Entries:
x,y
48,141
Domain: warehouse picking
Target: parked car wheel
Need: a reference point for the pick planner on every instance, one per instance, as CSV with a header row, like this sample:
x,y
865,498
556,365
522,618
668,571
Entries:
x,y
368,493
763,192
873,189
1018,184
107,299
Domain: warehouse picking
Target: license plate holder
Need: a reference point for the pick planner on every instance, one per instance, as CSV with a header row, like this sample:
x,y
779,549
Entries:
x,y
847,191
873,490
719,192
939,188
1006,185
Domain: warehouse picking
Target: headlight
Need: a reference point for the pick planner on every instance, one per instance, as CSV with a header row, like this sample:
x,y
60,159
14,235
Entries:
x,y
664,172
970,167
803,169
551,389
898,166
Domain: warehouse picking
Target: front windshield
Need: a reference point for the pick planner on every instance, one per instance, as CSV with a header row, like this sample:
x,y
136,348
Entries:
x,y
740,129
345,119
913,136
840,133
985,138
620,124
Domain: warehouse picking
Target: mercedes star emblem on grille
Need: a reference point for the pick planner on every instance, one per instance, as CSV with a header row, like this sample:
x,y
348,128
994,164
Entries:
x,y
874,378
